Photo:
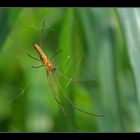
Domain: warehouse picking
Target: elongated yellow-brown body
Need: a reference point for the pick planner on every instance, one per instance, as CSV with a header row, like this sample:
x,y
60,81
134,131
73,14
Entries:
x,y
49,66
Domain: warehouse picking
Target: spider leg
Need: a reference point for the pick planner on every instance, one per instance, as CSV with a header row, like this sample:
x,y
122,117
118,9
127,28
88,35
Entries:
x,y
37,66
73,105
55,94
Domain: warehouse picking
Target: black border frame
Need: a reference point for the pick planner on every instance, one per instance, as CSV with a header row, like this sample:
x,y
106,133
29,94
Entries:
x,y
68,3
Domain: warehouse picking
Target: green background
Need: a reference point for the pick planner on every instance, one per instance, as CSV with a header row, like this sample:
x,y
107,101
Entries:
x,y
102,44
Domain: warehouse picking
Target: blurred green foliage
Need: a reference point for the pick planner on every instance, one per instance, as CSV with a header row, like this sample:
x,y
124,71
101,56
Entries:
x,y
102,45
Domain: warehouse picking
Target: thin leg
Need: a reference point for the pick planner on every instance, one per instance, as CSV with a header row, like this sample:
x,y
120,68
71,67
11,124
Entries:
x,y
64,76
69,79
16,43
63,62
56,54
37,66
67,67
74,81
33,57
75,124
42,31
55,95
73,105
